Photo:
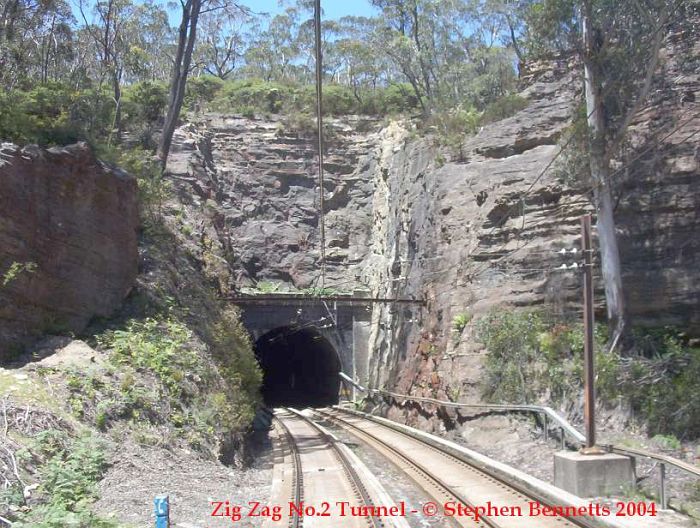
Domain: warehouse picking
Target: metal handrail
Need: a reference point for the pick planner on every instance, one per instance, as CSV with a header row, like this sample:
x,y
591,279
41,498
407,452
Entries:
x,y
663,459
566,429
550,413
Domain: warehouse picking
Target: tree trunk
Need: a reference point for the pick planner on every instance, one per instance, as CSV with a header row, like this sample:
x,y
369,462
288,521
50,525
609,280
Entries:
x,y
186,38
116,87
600,169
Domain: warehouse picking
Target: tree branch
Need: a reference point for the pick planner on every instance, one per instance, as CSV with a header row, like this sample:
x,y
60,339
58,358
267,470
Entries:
x,y
643,92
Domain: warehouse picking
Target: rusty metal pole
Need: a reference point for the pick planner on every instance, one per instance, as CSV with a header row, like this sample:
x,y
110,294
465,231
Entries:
x,y
588,353
319,124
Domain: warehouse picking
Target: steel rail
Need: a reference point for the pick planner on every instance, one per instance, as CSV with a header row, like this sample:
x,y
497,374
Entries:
x,y
577,439
439,484
526,491
297,474
353,476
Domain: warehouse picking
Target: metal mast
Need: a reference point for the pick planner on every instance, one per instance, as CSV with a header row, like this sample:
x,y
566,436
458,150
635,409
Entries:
x,y
319,121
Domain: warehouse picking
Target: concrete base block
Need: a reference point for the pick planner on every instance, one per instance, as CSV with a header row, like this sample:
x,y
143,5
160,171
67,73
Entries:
x,y
592,475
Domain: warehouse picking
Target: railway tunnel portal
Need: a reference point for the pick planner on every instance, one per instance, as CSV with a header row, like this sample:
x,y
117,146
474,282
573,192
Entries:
x,y
303,343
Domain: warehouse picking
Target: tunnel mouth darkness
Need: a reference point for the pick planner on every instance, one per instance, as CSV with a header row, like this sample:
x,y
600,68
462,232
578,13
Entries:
x,y
300,368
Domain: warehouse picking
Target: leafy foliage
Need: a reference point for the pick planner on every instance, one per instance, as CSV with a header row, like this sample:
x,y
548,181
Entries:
x,y
53,113
452,127
159,346
15,270
248,96
233,352
502,108
460,321
529,359
69,476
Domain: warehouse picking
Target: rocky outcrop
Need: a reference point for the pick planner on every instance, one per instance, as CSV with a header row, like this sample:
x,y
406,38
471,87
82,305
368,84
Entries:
x,y
68,233
258,179
467,234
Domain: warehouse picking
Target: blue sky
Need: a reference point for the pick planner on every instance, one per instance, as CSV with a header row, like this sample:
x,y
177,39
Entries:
x,y
332,9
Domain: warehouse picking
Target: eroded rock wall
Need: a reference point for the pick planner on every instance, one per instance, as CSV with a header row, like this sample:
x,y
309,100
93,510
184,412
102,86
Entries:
x,y
69,225
468,231
259,180
482,232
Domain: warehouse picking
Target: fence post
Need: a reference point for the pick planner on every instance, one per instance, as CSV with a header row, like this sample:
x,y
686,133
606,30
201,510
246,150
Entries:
x,y
662,486
162,509
563,439
545,425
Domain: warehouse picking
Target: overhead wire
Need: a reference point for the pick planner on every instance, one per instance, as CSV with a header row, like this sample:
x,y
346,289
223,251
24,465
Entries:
x,y
610,176
319,123
613,174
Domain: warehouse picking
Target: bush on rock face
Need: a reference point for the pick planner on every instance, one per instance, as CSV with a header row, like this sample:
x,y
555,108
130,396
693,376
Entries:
x,y
531,360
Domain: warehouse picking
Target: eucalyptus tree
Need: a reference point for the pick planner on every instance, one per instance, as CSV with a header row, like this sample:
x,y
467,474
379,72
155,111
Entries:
x,y
618,43
190,11
35,41
273,51
358,63
221,48
106,22
445,49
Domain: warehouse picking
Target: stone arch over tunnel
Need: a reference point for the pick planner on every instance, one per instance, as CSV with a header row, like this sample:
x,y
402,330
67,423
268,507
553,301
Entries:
x,y
300,367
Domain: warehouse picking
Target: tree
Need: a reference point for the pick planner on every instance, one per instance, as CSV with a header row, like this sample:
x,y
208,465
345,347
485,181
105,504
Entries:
x,y
186,39
449,51
107,29
187,36
273,51
35,41
221,47
618,43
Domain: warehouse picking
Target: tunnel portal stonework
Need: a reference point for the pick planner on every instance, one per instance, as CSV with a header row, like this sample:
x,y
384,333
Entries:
x,y
344,324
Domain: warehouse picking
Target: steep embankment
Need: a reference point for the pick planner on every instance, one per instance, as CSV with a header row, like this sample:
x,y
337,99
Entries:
x,y
166,374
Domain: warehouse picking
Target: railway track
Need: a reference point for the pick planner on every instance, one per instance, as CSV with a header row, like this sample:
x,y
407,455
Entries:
x,y
450,479
325,473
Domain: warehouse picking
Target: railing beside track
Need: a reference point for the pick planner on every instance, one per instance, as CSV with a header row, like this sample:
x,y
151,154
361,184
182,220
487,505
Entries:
x,y
550,416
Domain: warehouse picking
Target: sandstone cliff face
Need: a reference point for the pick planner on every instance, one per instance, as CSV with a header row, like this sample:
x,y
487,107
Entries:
x,y
484,232
258,181
73,222
469,234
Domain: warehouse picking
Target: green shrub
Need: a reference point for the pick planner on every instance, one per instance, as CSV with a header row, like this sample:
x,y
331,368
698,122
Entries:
x,y
252,93
153,188
394,99
201,90
453,127
54,114
502,108
512,341
144,102
460,321
257,96
665,391
69,478
233,353
160,346
339,100
528,359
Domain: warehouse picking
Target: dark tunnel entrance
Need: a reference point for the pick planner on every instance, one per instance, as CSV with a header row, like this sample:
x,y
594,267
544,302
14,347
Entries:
x,y
300,368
